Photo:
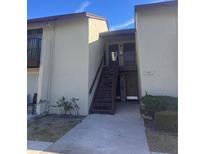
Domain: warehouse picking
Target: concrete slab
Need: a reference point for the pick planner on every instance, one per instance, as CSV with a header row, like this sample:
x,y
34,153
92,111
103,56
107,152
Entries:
x,y
36,147
122,133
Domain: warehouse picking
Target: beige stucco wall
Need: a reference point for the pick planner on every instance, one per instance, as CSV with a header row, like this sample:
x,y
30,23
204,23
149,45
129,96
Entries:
x,y
157,49
70,55
95,51
64,62
69,76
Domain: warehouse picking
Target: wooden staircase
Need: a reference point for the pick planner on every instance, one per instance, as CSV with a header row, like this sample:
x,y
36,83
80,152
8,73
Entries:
x,y
105,94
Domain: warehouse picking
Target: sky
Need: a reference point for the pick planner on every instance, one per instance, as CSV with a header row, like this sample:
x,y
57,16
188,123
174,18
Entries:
x,y
119,13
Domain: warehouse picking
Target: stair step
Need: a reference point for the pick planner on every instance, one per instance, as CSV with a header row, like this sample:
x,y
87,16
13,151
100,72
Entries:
x,y
108,73
103,100
105,85
106,82
107,78
104,94
104,88
108,69
103,97
102,104
103,108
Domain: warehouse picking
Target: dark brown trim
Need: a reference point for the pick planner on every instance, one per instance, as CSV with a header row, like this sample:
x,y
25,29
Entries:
x,y
96,75
65,16
164,3
118,33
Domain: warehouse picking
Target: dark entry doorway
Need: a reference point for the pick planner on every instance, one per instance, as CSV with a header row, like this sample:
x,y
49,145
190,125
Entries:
x,y
128,73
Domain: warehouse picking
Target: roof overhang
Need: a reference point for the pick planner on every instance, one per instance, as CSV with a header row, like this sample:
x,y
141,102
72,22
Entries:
x,y
65,16
157,4
125,32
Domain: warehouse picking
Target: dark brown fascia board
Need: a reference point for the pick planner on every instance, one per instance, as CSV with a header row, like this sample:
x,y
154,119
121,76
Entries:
x,y
65,16
164,3
118,32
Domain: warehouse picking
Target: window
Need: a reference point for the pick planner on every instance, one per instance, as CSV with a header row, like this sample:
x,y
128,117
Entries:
x,y
35,33
129,54
34,47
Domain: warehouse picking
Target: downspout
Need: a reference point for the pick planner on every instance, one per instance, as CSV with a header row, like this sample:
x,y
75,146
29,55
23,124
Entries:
x,y
50,63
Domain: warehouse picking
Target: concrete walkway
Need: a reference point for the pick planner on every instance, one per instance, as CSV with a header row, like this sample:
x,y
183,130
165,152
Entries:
x,y
122,133
36,147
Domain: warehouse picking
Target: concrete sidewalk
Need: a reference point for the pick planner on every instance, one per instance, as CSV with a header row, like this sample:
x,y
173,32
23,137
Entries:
x,y
122,133
36,147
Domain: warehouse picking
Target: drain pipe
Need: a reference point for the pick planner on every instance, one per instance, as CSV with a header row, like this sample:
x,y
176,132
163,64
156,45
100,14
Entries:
x,y
50,25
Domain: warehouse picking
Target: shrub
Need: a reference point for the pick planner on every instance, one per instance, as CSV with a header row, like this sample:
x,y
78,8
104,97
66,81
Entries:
x,y
152,104
68,106
166,120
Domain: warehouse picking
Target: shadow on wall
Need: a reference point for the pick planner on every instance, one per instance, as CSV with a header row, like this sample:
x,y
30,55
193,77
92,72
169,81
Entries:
x,y
96,54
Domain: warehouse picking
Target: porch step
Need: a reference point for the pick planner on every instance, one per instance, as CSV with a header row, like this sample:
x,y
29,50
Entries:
x,y
104,100
100,111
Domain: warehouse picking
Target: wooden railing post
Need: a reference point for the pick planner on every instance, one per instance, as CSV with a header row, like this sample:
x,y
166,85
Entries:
x,y
114,86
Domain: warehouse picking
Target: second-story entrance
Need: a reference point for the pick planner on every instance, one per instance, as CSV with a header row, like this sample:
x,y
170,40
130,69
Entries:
x,y
122,43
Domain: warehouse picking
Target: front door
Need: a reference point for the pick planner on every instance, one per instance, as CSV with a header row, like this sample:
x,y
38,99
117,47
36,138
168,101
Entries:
x,y
131,74
128,73
131,85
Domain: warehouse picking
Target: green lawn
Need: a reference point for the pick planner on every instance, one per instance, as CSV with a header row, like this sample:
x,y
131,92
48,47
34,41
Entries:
x,y
51,127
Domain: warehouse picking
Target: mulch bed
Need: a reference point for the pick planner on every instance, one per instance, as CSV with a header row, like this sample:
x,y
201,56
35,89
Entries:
x,y
161,141
51,127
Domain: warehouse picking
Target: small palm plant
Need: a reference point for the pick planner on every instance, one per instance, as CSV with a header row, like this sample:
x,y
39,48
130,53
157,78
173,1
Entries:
x,y
64,105
76,108
70,106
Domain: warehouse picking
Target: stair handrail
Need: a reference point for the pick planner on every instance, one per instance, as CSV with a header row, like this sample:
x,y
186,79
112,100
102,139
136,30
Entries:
x,y
97,87
114,85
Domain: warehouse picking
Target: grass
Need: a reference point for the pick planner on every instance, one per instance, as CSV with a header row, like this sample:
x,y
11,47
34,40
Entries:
x,y
50,128
161,141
